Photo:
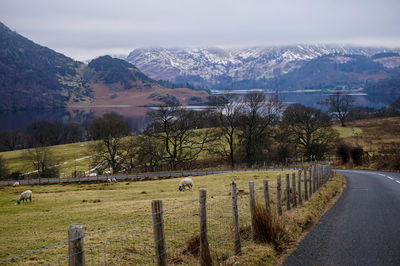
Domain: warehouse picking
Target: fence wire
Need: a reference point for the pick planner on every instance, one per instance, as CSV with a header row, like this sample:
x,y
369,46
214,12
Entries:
x,y
132,242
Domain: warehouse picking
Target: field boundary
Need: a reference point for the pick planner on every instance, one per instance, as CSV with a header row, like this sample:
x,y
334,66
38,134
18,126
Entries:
x,y
214,227
133,177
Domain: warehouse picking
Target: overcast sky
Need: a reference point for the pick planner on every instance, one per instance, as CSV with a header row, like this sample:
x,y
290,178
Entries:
x,y
84,29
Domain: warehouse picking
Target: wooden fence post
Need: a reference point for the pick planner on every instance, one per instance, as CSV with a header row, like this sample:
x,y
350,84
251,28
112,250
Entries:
x,y
205,257
235,215
294,189
319,175
158,229
299,188
252,208
266,196
313,178
310,182
279,194
287,191
76,248
305,185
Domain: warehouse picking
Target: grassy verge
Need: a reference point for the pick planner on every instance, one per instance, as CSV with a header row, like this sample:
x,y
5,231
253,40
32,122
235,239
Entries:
x,y
298,222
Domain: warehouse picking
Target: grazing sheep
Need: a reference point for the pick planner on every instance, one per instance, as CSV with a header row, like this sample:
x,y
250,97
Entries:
x,y
25,196
186,182
16,184
114,180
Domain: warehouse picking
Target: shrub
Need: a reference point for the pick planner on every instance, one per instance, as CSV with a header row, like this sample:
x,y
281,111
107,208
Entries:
x,y
343,151
357,155
388,157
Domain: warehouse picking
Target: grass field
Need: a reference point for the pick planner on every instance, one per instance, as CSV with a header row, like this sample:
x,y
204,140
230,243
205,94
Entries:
x,y
69,155
30,226
371,134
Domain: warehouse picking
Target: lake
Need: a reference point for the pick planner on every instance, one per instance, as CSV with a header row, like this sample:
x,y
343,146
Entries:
x,y
136,116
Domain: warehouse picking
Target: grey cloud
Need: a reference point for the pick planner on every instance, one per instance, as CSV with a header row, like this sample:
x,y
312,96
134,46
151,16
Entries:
x,y
120,25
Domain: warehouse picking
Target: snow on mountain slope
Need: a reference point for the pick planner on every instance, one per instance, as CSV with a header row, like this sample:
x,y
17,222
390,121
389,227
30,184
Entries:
x,y
212,64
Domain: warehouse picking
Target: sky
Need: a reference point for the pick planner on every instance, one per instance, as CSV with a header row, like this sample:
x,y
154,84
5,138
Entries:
x,y
84,29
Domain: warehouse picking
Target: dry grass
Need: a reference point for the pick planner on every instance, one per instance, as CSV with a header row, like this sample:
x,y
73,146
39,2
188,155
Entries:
x,y
269,228
372,134
379,138
297,223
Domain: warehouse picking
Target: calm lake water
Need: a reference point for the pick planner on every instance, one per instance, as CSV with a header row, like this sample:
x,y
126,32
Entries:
x,y
136,116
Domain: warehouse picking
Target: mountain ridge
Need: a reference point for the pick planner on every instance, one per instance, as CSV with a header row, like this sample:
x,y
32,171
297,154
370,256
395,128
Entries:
x,y
219,68
36,77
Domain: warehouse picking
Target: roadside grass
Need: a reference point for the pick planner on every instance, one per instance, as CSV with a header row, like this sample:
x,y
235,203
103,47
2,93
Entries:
x,y
298,222
45,221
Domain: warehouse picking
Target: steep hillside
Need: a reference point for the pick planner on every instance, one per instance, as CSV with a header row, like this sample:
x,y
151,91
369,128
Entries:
x,y
267,67
33,76
36,77
333,70
116,82
388,86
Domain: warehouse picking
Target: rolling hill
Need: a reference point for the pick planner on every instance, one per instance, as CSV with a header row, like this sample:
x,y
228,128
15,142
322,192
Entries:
x,y
36,77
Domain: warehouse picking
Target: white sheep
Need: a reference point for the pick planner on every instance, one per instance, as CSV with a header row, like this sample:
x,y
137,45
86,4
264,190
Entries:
x,y
108,180
186,182
16,184
114,180
25,196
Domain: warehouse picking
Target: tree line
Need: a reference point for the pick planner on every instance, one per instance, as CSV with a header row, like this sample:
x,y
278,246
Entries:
x,y
246,131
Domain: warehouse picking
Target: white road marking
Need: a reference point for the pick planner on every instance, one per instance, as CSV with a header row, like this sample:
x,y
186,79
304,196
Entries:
x,y
398,181
391,178
381,174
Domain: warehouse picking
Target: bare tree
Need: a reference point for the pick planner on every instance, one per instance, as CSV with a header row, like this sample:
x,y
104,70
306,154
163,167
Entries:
x,y
178,132
108,131
43,160
229,109
339,105
260,113
150,151
310,129
10,139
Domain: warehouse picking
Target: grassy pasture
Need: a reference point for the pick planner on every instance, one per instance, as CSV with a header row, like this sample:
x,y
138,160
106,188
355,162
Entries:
x,y
371,134
66,154
30,226
70,157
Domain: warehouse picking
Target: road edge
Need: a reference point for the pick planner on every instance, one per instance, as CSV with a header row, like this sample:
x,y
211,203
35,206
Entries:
x,y
320,212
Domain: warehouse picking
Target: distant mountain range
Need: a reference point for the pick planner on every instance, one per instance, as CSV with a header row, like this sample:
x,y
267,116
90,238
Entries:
x,y
33,76
36,77
275,68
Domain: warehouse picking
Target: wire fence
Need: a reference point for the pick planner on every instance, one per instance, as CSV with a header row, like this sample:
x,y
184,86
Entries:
x,y
180,242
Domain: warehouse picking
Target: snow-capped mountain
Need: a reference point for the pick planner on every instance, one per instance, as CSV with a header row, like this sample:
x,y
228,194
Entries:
x,y
211,67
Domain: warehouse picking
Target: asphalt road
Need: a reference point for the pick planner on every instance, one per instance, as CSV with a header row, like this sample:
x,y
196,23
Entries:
x,y
362,228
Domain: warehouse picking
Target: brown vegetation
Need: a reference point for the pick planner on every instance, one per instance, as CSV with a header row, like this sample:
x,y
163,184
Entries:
x,y
269,228
377,147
